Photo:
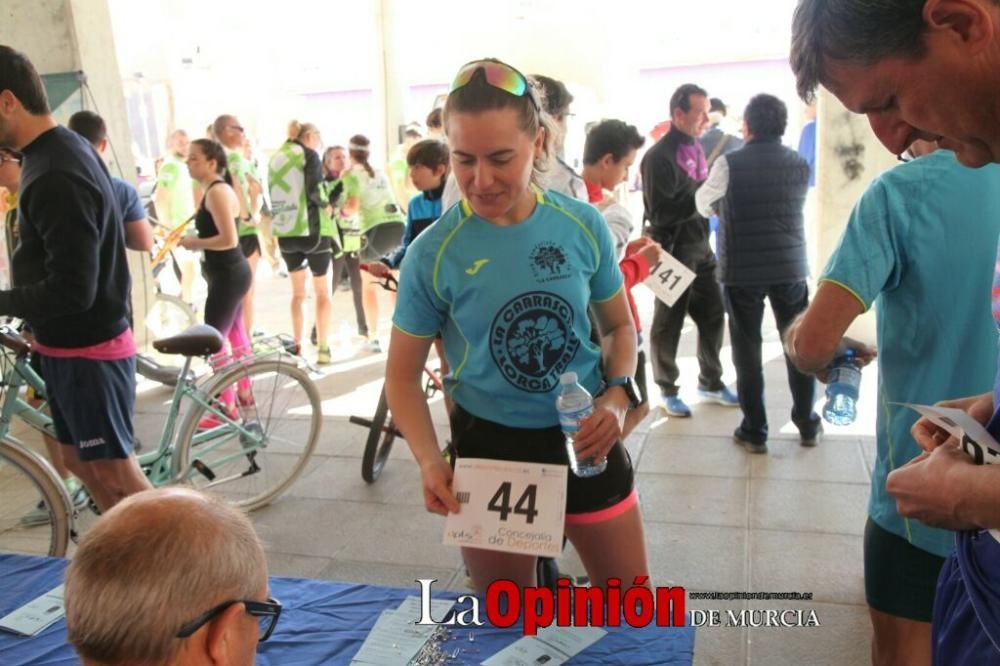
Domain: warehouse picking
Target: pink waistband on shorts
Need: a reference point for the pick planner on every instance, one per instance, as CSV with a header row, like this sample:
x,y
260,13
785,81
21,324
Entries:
x,y
613,511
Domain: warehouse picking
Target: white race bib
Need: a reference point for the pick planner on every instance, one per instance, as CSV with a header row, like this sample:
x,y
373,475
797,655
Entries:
x,y
669,278
509,506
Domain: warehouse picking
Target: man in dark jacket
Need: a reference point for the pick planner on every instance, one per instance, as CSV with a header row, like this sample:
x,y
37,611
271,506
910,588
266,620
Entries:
x,y
759,192
71,285
672,170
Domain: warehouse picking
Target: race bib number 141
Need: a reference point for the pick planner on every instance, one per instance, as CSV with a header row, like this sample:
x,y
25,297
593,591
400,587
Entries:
x,y
509,506
669,278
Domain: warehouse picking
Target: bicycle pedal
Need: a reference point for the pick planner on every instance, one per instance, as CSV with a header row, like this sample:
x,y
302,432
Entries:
x,y
204,470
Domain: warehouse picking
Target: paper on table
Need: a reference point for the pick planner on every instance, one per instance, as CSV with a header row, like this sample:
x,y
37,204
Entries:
x,y
35,615
974,439
551,646
396,638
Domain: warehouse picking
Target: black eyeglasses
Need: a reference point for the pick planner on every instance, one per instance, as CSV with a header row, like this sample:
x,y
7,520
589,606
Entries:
x,y
238,128
10,156
266,612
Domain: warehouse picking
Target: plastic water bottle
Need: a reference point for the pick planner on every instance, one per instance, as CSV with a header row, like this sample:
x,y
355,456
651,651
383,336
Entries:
x,y
575,403
843,381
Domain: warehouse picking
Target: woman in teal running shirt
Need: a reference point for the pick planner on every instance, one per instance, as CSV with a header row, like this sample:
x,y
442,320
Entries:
x,y
507,277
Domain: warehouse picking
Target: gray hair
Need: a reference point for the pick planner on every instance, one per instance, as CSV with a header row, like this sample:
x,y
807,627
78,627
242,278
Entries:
x,y
155,562
861,31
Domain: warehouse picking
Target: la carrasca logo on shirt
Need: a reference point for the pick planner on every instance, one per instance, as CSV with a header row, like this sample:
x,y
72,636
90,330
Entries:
x,y
548,262
532,341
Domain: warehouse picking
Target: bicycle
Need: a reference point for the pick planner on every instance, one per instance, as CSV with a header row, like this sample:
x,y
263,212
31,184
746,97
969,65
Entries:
x,y
167,314
248,457
382,431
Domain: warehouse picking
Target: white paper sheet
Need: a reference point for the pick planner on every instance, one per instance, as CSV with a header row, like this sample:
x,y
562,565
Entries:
x,y
35,615
396,638
508,506
552,646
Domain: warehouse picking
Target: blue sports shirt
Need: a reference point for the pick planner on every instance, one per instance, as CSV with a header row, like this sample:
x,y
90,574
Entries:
x,y
511,303
920,245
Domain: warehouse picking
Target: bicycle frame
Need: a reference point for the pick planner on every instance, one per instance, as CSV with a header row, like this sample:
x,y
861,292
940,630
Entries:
x,y
157,464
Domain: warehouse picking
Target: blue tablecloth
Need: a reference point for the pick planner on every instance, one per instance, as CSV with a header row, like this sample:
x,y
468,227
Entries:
x,y
323,622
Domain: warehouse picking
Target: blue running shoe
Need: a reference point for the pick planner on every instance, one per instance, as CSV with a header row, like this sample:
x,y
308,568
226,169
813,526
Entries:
x,y
676,407
723,397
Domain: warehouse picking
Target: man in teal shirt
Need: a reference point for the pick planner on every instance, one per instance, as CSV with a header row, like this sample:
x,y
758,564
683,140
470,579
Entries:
x,y
906,240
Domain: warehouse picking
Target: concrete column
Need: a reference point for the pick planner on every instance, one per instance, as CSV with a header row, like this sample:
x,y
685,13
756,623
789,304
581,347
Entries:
x,y
848,159
75,35
388,88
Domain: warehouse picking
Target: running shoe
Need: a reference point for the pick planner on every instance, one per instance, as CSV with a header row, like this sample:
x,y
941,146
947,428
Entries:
x,y
323,356
676,407
212,421
723,396
40,514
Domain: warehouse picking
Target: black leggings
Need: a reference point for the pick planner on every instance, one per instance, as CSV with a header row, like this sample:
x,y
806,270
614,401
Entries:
x,y
227,285
350,259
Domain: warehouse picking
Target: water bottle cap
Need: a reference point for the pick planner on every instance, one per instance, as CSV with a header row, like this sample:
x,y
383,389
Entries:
x,y
568,378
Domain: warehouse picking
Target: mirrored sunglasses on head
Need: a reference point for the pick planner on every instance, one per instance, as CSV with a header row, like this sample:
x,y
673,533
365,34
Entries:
x,y
497,74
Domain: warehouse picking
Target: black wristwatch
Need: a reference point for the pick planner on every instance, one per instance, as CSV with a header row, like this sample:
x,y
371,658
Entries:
x,y
628,384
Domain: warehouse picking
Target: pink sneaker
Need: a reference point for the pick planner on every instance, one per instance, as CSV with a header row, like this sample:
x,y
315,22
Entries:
x,y
213,421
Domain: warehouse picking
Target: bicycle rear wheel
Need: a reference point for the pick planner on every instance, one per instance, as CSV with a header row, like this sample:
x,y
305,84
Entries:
x,y
36,513
251,459
381,435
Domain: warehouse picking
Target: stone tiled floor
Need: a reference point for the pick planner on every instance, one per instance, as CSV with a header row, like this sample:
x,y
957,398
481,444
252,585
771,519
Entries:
x,y
717,519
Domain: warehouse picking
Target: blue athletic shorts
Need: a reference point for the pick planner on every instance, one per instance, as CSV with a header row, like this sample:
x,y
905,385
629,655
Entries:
x,y
92,404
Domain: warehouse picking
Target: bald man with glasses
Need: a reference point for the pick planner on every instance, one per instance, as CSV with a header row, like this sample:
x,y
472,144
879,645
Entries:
x,y
169,576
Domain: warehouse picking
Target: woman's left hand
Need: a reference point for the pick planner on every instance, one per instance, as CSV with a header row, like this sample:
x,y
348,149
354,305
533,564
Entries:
x,y
600,431
187,242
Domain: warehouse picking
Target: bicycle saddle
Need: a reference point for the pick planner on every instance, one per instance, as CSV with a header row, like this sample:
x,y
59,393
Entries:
x,y
198,340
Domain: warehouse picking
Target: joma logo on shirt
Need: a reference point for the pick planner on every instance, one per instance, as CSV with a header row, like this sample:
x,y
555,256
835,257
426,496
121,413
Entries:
x,y
476,265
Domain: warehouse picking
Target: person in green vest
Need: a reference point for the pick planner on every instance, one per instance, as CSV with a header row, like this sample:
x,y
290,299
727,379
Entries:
x,y
230,134
174,202
369,197
348,233
305,237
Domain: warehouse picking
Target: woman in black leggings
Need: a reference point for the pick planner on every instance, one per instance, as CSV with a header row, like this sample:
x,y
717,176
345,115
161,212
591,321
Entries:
x,y
224,267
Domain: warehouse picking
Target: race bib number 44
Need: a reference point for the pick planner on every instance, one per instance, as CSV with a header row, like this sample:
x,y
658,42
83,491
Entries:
x,y
669,278
509,506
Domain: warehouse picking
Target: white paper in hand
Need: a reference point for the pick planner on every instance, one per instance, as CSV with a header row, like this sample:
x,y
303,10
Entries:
x,y
974,439
669,278
513,507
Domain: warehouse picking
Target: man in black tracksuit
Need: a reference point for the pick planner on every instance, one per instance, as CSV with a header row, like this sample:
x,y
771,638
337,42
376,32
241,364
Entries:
x,y
672,170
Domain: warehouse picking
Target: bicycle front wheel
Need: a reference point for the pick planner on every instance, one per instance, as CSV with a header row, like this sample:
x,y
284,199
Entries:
x,y
36,513
253,456
381,435
169,315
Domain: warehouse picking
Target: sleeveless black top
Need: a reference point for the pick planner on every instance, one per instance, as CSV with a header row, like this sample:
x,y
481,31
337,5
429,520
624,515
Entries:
x,y
205,226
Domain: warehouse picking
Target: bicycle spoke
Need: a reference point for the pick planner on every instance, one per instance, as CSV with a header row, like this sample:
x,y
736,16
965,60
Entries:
x,y
251,460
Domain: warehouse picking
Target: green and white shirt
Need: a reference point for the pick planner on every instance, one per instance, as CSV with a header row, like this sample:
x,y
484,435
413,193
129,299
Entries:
x,y
175,179
378,203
